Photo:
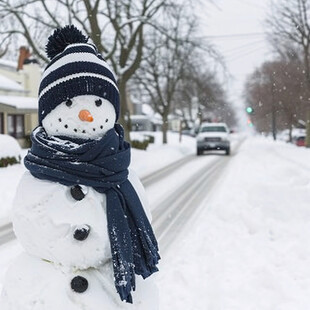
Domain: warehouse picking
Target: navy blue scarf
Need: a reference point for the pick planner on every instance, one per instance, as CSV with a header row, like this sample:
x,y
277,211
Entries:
x,y
103,165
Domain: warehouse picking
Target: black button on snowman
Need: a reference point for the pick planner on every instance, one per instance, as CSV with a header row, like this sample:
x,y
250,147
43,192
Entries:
x,y
77,193
79,284
81,233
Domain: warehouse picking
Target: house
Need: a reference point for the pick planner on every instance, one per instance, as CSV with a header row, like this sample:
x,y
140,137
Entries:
x,y
19,84
18,117
142,117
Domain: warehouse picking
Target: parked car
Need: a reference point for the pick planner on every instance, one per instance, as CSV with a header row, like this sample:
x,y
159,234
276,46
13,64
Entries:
x,y
213,136
300,141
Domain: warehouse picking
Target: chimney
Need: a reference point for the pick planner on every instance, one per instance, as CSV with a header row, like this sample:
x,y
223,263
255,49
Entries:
x,y
24,54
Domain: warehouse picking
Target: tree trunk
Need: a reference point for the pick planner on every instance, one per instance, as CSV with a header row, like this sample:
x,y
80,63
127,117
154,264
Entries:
x,y
274,123
273,111
180,131
290,136
308,130
307,69
165,128
124,118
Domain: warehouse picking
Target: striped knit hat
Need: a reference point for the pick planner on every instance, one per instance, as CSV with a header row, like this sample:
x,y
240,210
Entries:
x,y
76,69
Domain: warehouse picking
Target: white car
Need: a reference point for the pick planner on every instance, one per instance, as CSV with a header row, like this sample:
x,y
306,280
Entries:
x,y
213,136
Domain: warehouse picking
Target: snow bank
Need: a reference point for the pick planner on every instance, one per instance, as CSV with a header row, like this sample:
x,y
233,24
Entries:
x,y
9,147
247,247
10,176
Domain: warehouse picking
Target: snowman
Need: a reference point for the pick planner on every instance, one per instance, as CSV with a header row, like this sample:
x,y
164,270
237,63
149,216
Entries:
x,y
79,212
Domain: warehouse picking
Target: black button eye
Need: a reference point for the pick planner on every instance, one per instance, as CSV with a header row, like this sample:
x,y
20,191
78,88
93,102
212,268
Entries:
x,y
69,103
98,102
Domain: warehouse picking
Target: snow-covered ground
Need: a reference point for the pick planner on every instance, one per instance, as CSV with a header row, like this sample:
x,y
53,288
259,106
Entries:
x,y
159,155
246,247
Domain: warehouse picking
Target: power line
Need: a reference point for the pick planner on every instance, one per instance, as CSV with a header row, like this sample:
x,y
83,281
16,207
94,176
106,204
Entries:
x,y
244,50
242,47
234,35
245,54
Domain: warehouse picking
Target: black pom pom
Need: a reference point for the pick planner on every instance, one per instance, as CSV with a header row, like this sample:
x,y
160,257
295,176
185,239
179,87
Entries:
x,y
61,38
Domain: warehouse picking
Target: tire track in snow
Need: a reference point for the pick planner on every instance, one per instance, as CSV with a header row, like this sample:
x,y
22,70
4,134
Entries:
x,y
174,211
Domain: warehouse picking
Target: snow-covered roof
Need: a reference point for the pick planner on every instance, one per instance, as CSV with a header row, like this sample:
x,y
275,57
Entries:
x,y
147,109
19,102
8,84
8,64
136,116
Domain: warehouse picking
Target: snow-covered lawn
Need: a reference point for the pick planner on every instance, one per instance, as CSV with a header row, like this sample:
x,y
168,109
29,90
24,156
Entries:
x,y
248,245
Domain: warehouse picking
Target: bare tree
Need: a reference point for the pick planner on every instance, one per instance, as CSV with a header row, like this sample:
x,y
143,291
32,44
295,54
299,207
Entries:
x,y
201,83
278,94
117,28
162,68
289,31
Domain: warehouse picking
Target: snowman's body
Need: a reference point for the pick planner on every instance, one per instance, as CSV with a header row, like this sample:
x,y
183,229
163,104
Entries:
x,y
68,262
45,216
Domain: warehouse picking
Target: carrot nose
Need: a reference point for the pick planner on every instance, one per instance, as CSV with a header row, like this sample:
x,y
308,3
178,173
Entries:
x,y
85,116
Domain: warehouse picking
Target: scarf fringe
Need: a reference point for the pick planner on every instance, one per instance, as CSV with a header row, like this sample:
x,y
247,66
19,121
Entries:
x,y
145,263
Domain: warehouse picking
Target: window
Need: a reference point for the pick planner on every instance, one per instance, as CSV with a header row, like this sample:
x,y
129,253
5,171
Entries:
x,y
213,129
16,125
1,123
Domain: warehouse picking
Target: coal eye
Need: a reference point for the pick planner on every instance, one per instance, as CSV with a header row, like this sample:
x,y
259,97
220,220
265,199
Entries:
x,y
69,103
98,102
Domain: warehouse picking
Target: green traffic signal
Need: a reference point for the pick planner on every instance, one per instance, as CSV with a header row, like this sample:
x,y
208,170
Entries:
x,y
249,110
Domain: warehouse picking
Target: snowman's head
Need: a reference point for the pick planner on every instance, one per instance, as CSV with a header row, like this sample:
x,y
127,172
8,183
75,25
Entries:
x,y
84,116
78,95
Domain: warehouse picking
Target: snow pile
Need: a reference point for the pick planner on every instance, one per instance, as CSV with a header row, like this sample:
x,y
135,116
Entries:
x,y
9,147
10,176
247,246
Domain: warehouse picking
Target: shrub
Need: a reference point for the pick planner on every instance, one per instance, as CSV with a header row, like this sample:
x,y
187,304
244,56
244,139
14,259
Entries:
x,y
150,138
141,145
9,151
6,161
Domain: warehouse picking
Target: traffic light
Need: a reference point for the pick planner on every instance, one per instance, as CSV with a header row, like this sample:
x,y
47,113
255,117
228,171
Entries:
x,y
249,110
249,122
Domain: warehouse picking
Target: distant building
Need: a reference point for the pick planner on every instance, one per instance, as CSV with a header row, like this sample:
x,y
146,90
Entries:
x,y
19,84
143,118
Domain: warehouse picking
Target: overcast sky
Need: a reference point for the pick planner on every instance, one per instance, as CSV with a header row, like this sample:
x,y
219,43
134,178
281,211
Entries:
x,y
236,29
